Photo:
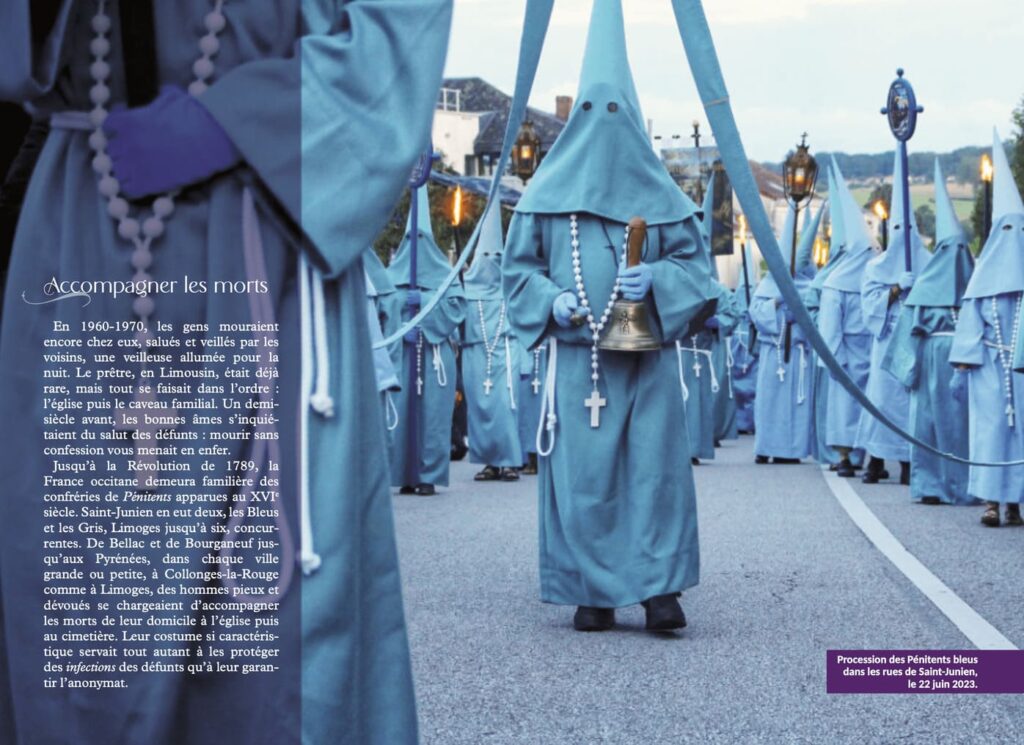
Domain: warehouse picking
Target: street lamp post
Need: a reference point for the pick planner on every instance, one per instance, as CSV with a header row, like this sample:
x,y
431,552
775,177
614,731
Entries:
x,y
700,174
752,334
882,211
986,182
800,172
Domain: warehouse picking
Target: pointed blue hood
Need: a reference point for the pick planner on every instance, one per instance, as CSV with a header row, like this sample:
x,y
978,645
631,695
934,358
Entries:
x,y
603,162
859,248
804,253
377,280
837,241
483,278
887,267
943,281
1000,266
805,250
707,222
431,264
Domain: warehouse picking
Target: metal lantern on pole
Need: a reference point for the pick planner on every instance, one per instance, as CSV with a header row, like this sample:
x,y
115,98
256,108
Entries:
x,y
986,183
901,110
526,153
800,173
881,210
752,337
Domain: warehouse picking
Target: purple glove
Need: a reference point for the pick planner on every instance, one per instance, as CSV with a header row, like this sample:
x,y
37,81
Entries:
x,y
958,386
168,144
635,282
712,323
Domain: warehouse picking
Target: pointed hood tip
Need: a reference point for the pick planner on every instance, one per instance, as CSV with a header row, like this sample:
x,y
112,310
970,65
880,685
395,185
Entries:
x,y
947,225
1006,198
606,59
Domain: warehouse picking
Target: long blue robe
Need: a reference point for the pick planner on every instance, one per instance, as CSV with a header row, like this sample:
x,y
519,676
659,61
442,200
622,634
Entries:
x,y
303,136
841,324
744,374
880,317
617,509
435,404
531,382
783,409
492,417
721,357
919,357
991,436
820,450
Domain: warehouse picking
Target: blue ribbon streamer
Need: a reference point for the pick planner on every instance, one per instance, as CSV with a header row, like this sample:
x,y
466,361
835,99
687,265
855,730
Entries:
x,y
707,74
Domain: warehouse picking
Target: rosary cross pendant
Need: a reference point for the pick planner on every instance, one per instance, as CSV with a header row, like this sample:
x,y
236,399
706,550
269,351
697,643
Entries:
x,y
595,403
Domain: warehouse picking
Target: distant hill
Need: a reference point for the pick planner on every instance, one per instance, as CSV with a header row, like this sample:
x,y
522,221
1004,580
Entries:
x,y
961,164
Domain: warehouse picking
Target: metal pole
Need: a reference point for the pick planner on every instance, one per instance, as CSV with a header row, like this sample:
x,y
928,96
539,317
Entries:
x,y
792,272
885,234
412,457
987,218
908,259
752,334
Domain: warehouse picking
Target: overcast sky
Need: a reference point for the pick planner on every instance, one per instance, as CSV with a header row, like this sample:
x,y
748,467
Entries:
x,y
790,65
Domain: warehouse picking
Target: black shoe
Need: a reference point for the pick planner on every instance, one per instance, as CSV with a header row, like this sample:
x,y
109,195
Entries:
x,y
593,619
664,613
695,461
426,490
407,490
761,459
718,443
786,461
875,471
990,518
1013,518
509,474
904,473
530,469
489,473
930,500
845,469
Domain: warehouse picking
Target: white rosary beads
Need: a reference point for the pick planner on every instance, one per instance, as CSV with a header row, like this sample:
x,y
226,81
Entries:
x,y
489,347
1005,353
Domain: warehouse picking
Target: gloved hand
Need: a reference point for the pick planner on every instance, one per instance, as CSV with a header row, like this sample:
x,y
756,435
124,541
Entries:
x,y
958,386
564,307
412,335
787,314
413,297
168,144
712,323
906,280
635,281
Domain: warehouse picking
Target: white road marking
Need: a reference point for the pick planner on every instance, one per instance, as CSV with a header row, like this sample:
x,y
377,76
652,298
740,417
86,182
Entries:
x,y
980,632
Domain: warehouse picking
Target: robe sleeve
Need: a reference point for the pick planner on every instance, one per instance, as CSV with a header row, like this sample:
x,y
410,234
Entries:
x,y
443,323
830,322
765,315
525,360
875,305
525,281
682,284
384,366
903,355
968,347
728,314
31,56
333,131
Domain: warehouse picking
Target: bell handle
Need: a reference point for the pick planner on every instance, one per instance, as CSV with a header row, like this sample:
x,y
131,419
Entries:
x,y
637,238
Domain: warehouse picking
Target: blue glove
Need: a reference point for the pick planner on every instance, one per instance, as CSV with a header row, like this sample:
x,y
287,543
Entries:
x,y
168,144
635,282
712,323
412,335
787,314
564,307
906,280
958,386
413,298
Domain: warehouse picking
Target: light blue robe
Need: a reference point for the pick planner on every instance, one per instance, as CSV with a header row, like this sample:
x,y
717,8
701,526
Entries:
x,y
492,417
841,324
783,409
919,357
435,405
531,390
306,139
721,357
744,374
882,388
991,437
617,509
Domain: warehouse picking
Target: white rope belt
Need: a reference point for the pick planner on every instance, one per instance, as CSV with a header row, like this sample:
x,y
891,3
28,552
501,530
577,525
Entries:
x,y
682,375
730,362
801,385
548,420
390,411
697,368
509,379
72,121
992,345
439,368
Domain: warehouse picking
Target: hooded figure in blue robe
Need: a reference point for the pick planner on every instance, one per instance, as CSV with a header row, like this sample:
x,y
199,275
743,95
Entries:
x,y
918,357
421,444
984,344
702,359
728,317
383,321
617,509
296,94
533,363
744,358
841,323
490,361
884,287
784,406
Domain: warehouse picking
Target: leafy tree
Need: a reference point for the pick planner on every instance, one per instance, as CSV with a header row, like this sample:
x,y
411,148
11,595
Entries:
x,y
883,192
925,216
1017,146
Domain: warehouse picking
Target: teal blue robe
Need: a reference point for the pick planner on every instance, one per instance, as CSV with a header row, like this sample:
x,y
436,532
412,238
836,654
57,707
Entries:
x,y
531,389
728,315
617,509
492,412
291,91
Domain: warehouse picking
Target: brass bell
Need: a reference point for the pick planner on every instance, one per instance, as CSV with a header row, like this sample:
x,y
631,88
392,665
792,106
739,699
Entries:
x,y
628,328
